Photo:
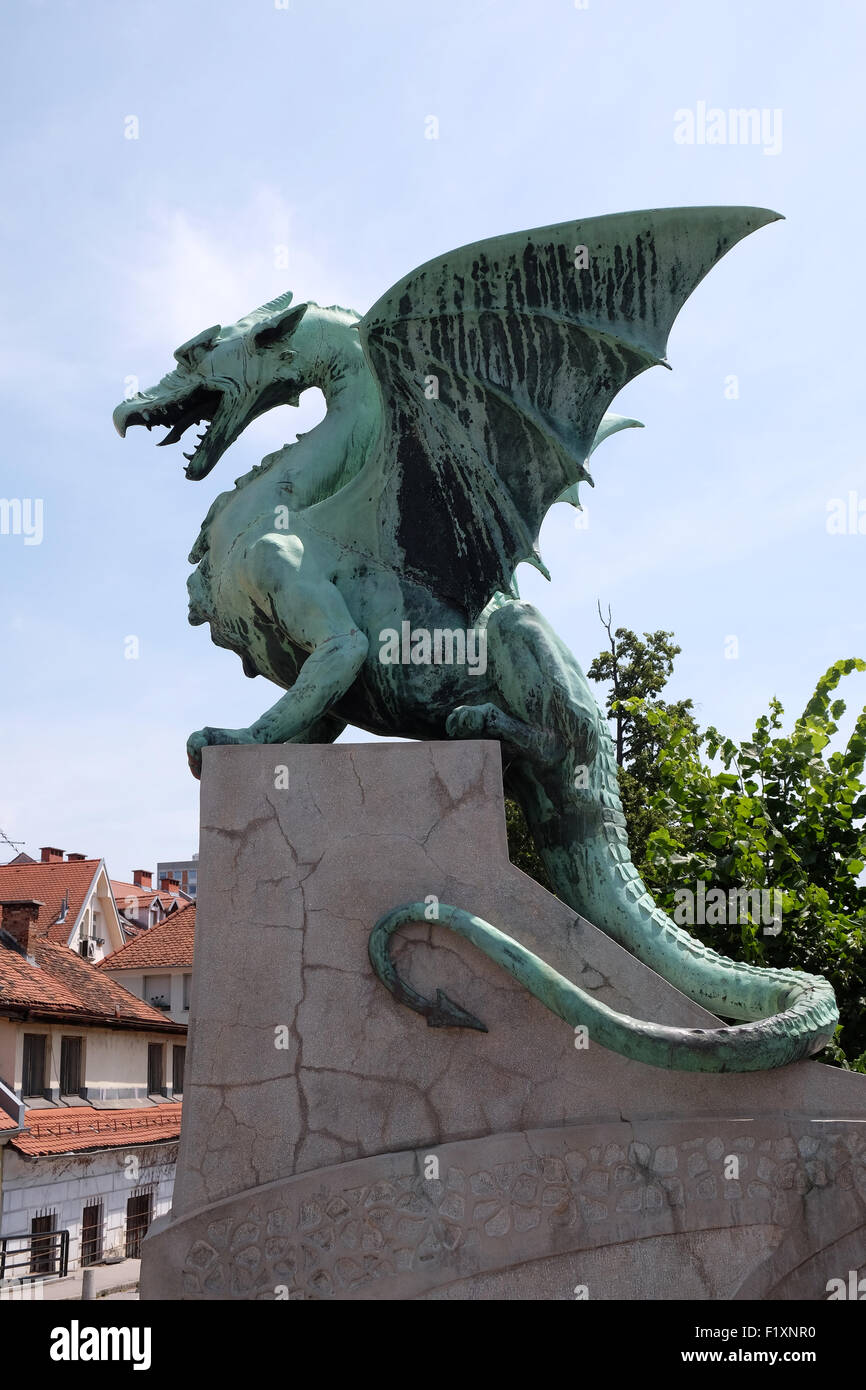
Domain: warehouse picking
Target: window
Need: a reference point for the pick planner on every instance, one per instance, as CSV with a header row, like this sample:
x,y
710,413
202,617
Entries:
x,y
178,1058
43,1248
33,1080
91,1234
70,1067
155,1073
139,1210
187,987
157,991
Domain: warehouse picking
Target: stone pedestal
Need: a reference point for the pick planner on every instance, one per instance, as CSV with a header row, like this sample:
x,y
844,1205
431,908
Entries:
x,y
334,1146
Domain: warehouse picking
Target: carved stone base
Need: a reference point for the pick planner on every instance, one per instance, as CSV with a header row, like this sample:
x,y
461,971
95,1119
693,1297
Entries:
x,y
333,1146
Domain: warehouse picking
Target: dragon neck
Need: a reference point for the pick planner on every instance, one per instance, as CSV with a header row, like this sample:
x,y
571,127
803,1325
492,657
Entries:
x,y
329,456
341,373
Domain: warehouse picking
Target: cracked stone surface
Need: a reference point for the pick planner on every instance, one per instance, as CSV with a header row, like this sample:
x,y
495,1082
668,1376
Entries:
x,y
299,1059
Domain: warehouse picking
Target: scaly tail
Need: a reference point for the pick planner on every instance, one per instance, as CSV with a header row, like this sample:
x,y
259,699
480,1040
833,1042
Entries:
x,y
804,1015
584,846
560,765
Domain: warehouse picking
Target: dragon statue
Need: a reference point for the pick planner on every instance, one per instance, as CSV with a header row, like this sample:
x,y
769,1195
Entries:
x,y
459,409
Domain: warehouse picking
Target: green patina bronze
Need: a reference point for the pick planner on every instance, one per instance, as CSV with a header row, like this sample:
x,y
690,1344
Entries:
x,y
368,569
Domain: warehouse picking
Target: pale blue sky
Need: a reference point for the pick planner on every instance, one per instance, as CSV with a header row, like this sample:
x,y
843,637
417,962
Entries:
x,y
305,127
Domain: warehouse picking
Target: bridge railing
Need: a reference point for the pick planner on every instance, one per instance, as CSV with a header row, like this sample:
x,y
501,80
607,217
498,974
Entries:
x,y
34,1255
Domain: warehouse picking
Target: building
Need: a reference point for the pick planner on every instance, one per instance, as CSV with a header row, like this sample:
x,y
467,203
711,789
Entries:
x,y
80,1186
76,904
69,1034
157,965
184,870
140,905
90,1075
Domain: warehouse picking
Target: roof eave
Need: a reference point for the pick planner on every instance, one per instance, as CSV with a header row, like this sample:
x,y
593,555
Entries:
x,y
21,1013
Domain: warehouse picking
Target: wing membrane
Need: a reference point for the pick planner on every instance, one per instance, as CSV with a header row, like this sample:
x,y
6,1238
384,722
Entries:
x,y
496,364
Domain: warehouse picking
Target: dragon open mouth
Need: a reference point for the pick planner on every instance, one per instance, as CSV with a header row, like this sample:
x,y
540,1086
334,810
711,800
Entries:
x,y
179,416
223,423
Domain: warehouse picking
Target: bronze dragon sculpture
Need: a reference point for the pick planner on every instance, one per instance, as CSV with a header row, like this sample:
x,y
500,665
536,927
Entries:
x,y
459,409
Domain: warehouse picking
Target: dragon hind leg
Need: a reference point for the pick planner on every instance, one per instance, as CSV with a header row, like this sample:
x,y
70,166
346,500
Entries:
x,y
489,721
544,712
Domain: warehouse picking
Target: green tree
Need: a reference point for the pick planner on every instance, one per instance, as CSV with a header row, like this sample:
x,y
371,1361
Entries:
x,y
637,672
774,828
786,815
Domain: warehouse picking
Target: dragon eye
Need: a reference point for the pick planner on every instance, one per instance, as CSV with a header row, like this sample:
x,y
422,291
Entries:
x,y
190,353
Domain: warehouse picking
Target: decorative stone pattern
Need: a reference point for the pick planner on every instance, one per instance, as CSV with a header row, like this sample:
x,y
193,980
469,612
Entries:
x,y
344,1238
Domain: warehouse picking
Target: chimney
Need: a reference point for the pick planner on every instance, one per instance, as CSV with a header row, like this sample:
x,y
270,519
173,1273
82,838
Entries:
x,y
169,885
142,878
51,856
75,858
18,918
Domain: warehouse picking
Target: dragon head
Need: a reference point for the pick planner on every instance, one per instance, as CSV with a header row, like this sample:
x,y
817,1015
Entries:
x,y
229,376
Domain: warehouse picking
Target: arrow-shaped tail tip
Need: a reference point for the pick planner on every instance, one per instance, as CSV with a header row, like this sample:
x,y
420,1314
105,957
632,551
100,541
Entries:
x,y
446,1014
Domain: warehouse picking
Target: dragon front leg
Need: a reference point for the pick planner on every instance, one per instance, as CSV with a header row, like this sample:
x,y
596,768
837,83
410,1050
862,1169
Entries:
x,y
309,611
324,730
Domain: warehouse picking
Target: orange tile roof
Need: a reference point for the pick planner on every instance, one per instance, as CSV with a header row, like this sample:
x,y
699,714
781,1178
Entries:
x,y
47,883
7,1122
26,986
167,945
80,1127
97,993
62,983
123,890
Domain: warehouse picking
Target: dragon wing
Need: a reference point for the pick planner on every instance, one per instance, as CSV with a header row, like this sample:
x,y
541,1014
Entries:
x,y
496,364
611,424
